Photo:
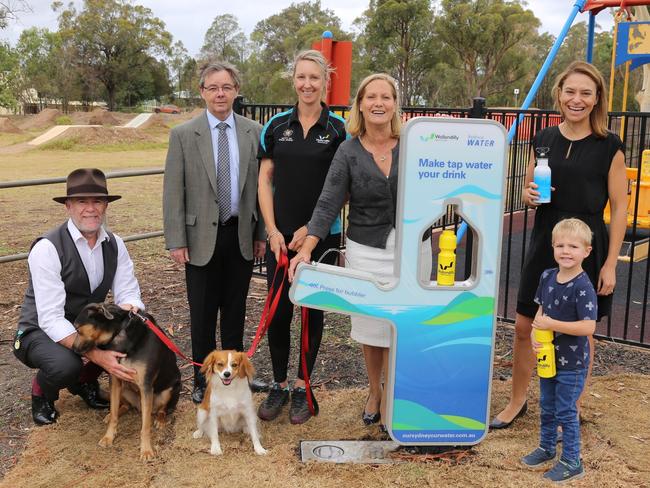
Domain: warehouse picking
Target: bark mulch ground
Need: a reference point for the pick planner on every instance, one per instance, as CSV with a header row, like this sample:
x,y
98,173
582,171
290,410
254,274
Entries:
x,y
340,364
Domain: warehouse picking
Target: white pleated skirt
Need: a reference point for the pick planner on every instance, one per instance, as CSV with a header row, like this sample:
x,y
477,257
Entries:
x,y
379,262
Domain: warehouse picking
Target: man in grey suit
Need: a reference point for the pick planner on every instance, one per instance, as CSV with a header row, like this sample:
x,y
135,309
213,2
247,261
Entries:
x,y
211,215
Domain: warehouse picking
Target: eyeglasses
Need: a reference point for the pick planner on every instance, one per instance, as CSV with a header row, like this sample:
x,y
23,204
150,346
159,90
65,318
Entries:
x,y
213,89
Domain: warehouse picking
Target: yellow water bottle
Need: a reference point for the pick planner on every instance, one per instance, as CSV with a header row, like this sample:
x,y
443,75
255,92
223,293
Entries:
x,y
447,259
546,355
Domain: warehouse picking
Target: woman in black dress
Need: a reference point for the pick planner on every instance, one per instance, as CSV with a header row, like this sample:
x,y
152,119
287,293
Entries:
x,y
588,168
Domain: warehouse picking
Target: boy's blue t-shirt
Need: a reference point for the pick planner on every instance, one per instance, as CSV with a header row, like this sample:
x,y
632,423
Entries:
x,y
569,302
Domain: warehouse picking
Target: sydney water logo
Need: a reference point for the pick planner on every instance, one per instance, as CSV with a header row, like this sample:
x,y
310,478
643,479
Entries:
x,y
438,137
479,141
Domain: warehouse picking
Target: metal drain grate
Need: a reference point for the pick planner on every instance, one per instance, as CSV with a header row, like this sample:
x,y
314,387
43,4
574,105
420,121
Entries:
x,y
363,452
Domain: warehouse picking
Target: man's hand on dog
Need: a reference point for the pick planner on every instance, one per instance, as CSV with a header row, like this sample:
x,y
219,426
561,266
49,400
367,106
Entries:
x,y
109,361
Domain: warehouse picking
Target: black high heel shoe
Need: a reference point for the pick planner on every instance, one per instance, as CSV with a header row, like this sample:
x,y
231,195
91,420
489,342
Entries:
x,y
370,418
499,424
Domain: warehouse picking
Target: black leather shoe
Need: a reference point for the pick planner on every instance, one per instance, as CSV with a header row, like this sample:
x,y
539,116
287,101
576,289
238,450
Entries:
x,y
197,393
43,411
498,424
90,393
258,385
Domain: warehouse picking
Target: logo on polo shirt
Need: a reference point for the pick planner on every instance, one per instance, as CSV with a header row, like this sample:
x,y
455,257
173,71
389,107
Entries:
x,y
323,139
286,136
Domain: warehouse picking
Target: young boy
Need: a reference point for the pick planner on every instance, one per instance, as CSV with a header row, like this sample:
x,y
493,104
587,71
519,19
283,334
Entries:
x,y
567,306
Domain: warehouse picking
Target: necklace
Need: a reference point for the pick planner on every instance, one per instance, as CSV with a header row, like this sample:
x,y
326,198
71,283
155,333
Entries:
x,y
574,138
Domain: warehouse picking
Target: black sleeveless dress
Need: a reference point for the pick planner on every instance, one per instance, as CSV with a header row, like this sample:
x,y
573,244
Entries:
x,y
580,182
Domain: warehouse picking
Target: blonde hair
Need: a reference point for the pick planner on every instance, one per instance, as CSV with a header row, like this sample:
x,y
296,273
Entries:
x,y
573,228
356,123
598,116
315,57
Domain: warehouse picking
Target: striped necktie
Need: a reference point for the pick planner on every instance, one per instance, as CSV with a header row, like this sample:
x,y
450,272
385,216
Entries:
x,y
223,173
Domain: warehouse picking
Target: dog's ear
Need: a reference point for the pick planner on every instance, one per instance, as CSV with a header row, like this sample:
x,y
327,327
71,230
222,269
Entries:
x,y
246,369
208,363
104,310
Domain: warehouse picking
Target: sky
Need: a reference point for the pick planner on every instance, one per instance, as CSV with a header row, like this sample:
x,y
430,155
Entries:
x,y
188,20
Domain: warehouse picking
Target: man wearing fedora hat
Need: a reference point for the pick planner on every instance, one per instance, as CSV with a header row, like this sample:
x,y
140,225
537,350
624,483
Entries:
x,y
70,266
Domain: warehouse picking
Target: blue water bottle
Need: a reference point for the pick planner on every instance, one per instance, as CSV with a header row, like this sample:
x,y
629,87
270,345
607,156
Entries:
x,y
542,175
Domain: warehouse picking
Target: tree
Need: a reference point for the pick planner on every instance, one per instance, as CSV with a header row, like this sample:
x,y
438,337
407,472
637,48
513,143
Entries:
x,y
225,40
8,76
399,40
479,35
178,57
114,41
9,10
276,40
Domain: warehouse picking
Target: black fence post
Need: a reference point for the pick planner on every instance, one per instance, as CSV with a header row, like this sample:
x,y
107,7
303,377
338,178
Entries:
x,y
478,110
238,105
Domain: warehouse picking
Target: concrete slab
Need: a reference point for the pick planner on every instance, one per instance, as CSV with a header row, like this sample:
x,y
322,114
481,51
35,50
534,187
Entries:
x,y
54,132
137,121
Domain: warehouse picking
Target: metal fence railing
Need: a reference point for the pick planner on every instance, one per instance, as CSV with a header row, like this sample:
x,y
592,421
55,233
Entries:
x,y
627,322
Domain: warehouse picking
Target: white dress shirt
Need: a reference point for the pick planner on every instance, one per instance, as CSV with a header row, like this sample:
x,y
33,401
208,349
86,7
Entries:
x,y
233,148
49,290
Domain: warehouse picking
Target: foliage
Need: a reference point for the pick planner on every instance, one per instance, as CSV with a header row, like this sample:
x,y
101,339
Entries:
x,y
398,40
275,42
225,40
483,40
63,120
442,52
115,42
8,73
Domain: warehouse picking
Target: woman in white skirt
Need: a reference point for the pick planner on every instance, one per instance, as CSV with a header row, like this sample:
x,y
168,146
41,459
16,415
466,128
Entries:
x,y
364,169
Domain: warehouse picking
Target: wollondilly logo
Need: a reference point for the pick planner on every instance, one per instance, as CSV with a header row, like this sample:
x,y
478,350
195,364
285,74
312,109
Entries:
x,y
438,137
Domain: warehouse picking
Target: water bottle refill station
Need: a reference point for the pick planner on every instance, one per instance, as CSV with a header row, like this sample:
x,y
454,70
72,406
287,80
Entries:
x,y
443,336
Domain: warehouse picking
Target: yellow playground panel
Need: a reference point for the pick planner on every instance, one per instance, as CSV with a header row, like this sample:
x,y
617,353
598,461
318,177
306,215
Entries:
x,y
643,211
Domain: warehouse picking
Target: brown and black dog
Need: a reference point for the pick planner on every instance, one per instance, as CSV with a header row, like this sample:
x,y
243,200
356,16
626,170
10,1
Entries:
x,y
158,380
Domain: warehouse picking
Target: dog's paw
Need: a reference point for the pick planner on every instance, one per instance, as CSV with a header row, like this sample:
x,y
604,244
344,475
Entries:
x,y
160,422
106,441
215,450
146,454
197,434
260,451
107,418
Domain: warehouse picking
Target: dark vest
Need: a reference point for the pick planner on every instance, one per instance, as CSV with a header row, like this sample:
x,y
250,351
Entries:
x,y
74,277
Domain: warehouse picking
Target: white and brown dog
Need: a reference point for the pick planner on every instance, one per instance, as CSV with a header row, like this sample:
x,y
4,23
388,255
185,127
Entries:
x,y
228,401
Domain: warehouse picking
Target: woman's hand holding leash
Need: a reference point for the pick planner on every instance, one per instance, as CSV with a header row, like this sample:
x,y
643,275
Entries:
x,y
277,244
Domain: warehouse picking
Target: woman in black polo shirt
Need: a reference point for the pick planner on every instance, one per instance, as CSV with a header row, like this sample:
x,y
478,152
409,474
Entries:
x,y
296,150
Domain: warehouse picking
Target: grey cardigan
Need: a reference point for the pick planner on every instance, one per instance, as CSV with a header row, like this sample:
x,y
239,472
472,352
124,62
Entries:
x,y
373,197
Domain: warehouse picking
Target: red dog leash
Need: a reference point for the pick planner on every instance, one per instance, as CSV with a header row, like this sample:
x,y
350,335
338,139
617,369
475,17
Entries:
x,y
163,337
270,306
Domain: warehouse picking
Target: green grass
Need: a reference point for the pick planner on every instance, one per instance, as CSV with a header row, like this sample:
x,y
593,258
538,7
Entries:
x,y
72,144
58,145
63,120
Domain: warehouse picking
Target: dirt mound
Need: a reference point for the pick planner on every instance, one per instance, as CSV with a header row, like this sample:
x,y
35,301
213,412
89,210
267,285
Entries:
x,y
93,136
102,117
44,118
155,121
6,125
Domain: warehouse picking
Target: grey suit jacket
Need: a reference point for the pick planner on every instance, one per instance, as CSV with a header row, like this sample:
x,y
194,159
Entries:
x,y
190,204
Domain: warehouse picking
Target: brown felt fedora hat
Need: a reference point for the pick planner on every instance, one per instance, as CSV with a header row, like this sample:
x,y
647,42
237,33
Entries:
x,y
86,182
